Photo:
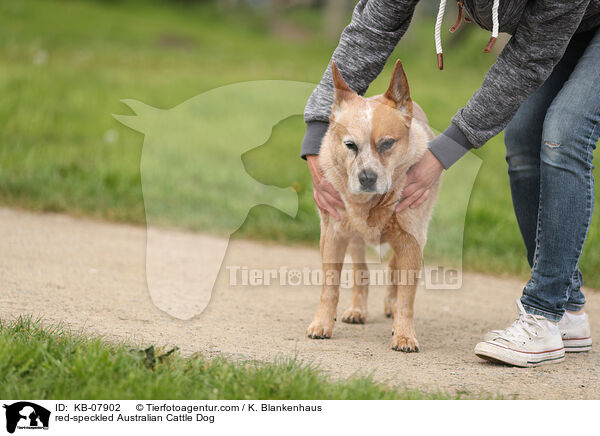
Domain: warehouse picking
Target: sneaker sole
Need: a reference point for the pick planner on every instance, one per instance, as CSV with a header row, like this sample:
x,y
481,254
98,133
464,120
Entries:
x,y
577,345
498,354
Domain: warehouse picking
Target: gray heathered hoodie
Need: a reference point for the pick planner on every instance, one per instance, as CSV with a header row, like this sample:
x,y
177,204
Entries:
x,y
540,29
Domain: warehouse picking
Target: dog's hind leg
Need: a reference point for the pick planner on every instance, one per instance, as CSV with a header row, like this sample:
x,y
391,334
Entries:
x,y
408,266
333,249
357,312
389,302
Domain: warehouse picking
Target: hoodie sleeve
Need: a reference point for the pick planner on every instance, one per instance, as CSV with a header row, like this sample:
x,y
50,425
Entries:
x,y
537,45
364,48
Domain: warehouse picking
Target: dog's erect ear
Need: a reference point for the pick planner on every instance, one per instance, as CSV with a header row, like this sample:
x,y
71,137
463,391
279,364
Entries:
x,y
338,80
399,92
342,91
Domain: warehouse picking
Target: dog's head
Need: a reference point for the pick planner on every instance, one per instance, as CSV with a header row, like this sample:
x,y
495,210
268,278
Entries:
x,y
369,137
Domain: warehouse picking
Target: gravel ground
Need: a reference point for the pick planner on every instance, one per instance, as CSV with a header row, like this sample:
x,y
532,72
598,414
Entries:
x,y
90,276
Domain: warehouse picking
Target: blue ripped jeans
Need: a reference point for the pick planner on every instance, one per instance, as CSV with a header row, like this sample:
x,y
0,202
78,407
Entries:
x,y
549,150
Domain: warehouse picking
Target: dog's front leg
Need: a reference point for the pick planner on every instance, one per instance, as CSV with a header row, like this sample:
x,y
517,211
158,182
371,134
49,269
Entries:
x,y
408,263
357,312
389,302
333,249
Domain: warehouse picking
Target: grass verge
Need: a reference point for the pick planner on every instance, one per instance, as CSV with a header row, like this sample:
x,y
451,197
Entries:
x,y
40,362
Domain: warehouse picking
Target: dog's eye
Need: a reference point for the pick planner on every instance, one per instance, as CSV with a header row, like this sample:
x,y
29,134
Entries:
x,y
351,145
386,144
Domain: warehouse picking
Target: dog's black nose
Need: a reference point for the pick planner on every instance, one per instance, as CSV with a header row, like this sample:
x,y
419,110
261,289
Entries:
x,y
367,178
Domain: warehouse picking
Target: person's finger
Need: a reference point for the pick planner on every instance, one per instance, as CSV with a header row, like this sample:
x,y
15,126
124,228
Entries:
x,y
329,207
325,204
333,212
421,199
336,198
409,190
407,201
318,202
327,196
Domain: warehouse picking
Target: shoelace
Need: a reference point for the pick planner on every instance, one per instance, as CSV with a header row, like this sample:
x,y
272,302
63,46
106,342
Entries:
x,y
438,28
524,327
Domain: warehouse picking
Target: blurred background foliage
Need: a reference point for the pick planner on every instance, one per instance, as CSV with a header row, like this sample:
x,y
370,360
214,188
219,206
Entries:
x,y
66,64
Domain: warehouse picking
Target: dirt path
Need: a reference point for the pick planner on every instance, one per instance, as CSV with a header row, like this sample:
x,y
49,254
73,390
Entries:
x,y
91,276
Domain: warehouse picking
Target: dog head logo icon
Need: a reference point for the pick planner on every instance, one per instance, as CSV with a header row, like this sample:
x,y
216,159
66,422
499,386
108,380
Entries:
x,y
26,415
190,162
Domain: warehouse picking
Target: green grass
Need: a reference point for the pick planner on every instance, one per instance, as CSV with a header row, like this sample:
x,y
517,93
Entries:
x,y
49,363
61,150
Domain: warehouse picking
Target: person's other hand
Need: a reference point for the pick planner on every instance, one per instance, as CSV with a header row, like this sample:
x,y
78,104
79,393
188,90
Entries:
x,y
324,194
420,178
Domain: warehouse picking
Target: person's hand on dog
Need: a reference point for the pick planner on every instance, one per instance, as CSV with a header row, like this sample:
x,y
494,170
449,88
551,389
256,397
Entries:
x,y
324,194
420,177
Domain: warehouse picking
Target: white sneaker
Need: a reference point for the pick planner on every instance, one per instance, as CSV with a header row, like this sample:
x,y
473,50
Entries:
x,y
529,341
575,332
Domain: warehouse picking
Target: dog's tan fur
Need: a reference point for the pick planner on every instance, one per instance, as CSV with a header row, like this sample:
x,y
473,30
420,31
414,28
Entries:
x,y
370,217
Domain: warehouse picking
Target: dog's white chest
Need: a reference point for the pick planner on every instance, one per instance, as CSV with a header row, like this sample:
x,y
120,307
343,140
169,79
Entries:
x,y
356,223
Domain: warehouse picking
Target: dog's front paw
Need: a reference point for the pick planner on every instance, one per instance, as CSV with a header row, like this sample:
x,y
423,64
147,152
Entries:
x,y
354,316
320,330
389,306
405,344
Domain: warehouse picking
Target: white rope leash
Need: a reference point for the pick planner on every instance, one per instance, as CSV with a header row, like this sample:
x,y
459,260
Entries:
x,y
495,23
438,26
438,38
